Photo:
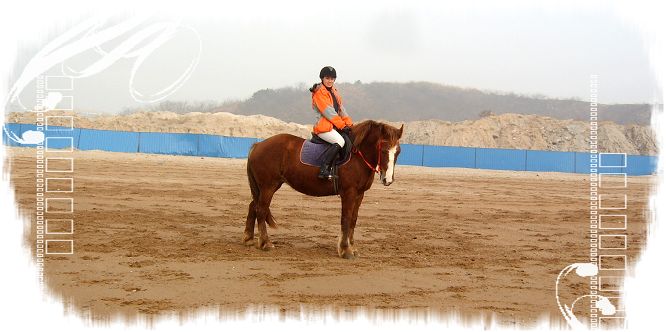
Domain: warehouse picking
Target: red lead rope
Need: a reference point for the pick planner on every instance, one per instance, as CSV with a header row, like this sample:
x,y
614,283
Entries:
x,y
379,151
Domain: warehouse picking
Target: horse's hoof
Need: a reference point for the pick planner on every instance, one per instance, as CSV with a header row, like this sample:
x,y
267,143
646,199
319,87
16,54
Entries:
x,y
248,242
348,255
266,246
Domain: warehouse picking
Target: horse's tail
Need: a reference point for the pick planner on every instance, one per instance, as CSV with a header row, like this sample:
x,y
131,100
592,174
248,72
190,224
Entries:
x,y
254,188
270,220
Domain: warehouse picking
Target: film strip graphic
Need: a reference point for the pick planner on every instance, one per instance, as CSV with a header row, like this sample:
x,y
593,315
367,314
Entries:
x,y
54,173
608,227
608,240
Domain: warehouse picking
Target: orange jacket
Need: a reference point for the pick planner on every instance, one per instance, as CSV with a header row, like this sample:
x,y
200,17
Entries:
x,y
322,104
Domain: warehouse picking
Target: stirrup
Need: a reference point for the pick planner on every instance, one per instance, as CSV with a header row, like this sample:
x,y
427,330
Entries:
x,y
325,175
332,173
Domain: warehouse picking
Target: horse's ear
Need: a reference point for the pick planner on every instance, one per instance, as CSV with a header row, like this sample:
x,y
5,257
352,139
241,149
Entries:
x,y
400,133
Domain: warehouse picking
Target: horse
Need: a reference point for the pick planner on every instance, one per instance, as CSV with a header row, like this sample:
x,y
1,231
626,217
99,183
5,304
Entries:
x,y
276,160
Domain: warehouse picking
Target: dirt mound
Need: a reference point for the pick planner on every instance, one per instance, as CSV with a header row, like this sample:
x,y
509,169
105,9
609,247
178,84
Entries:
x,y
222,123
512,131
533,132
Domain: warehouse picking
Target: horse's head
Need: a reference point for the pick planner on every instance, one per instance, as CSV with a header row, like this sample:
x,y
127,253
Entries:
x,y
383,141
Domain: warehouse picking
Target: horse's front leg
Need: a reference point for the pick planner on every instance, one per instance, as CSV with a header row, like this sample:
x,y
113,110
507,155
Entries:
x,y
348,204
352,225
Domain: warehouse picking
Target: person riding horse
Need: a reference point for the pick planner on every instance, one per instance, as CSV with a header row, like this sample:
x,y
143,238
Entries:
x,y
278,160
331,115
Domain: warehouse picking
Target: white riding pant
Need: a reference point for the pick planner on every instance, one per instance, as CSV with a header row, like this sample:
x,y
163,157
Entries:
x,y
332,137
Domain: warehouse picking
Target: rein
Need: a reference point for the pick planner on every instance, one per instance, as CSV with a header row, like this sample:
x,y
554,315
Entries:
x,y
379,151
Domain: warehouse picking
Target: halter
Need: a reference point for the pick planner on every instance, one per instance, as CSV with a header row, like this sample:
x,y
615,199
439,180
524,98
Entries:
x,y
379,151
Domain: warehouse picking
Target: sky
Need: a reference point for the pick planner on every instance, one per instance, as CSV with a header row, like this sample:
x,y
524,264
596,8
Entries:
x,y
519,47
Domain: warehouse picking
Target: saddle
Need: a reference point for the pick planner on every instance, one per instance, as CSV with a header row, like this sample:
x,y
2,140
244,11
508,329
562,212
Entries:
x,y
312,151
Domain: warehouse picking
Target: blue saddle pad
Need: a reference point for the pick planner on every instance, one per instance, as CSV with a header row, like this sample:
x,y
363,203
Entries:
x,y
312,154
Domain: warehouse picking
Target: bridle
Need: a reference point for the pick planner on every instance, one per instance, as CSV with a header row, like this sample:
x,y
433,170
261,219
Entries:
x,y
379,157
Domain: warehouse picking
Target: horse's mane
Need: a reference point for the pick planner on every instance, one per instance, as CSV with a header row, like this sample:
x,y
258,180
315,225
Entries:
x,y
362,129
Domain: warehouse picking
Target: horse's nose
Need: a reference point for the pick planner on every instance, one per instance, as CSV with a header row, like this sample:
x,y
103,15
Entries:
x,y
386,183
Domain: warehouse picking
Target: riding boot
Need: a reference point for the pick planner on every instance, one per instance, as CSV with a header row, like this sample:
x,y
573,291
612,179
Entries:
x,y
329,156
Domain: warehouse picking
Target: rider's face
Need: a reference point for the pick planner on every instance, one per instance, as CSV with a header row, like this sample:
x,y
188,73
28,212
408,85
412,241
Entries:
x,y
328,81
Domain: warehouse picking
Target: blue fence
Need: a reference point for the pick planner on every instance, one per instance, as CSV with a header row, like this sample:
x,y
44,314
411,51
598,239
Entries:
x,y
526,160
11,129
54,137
550,161
109,140
127,141
447,156
169,143
411,154
503,159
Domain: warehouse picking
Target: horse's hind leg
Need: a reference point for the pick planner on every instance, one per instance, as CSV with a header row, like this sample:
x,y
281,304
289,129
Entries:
x,y
248,237
263,211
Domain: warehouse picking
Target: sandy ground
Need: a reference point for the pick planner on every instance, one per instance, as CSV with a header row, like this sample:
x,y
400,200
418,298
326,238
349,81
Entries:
x,y
160,235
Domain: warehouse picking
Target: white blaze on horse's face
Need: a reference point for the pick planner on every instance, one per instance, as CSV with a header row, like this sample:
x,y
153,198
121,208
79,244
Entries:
x,y
387,177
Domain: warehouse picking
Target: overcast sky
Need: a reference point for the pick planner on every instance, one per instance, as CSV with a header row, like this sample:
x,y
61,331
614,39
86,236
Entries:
x,y
521,48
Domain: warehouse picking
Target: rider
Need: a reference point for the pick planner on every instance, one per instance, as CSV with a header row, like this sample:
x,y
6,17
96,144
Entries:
x,y
327,104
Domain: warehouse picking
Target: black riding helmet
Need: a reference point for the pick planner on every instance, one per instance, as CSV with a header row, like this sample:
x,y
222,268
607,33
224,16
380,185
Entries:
x,y
327,71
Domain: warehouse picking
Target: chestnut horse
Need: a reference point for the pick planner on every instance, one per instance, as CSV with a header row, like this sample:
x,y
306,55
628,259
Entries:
x,y
276,160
